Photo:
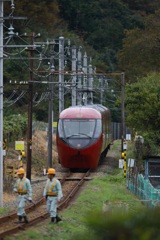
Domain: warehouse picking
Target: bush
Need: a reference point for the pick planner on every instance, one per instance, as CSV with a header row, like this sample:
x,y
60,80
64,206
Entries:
x,y
119,225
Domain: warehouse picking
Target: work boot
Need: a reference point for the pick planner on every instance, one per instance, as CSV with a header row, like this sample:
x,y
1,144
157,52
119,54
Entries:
x,y
58,219
52,220
25,219
19,219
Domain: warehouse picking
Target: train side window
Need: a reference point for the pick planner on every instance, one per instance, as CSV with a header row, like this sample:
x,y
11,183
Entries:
x,y
60,129
98,129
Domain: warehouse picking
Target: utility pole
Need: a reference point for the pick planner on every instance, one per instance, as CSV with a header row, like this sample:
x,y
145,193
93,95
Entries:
x,y
122,110
101,90
50,107
1,103
31,50
85,78
30,107
123,134
61,75
74,76
90,85
10,17
79,66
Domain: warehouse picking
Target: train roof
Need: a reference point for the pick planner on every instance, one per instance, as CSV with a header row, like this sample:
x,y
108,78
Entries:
x,y
84,111
98,107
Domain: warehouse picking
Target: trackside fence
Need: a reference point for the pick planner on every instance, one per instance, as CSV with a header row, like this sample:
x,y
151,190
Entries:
x,y
143,188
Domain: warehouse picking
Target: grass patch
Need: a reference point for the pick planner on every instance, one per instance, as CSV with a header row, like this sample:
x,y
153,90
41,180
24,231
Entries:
x,y
4,211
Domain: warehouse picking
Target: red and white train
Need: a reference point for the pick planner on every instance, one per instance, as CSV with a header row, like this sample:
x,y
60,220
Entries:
x,y
83,136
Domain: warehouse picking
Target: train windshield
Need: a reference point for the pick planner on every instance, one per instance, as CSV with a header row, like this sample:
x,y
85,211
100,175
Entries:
x,y
79,128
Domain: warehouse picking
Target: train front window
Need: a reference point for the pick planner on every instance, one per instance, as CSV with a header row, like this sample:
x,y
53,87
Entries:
x,y
80,128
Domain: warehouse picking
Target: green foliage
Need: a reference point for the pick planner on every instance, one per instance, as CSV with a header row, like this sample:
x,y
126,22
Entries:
x,y
146,6
4,211
115,178
40,14
143,225
142,103
101,24
143,55
151,144
142,107
41,111
15,126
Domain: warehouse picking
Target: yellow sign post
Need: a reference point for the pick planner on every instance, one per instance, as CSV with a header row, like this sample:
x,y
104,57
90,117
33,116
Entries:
x,y
19,145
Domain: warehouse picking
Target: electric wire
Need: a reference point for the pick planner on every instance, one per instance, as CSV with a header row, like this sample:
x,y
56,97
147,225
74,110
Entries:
x,y
12,95
11,102
43,96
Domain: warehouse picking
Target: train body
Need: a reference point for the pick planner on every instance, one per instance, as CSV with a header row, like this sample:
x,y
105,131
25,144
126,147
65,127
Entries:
x,y
83,135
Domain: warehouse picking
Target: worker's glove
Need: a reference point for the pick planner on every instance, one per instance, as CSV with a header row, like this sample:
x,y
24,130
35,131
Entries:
x,y
30,199
44,198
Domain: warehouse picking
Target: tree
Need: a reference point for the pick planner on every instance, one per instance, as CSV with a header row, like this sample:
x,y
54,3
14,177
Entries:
x,y
143,6
101,23
141,49
40,14
142,100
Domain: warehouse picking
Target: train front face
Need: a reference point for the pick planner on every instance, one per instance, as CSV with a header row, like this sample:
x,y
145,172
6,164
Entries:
x,y
79,141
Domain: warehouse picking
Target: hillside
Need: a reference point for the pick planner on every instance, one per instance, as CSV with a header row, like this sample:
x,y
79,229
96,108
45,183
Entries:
x,y
39,153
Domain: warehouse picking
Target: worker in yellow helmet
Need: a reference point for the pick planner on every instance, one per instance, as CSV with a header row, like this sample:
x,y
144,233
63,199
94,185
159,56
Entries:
x,y
53,194
23,187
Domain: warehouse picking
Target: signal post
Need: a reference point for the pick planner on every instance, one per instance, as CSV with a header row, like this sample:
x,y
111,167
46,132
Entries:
x,y
19,146
124,158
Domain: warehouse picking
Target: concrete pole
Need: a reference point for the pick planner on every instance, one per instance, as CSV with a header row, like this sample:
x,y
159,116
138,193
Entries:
x,y
50,114
79,67
101,90
90,100
74,76
61,74
85,78
1,103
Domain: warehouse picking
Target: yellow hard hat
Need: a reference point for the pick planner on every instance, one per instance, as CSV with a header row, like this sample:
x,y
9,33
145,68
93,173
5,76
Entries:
x,y
51,171
20,171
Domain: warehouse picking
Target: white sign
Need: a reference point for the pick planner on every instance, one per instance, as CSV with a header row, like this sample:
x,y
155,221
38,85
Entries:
x,y
131,162
125,146
121,163
44,172
128,137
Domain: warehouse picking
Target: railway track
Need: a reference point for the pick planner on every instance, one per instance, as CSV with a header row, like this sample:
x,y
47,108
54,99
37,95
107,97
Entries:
x,y
71,184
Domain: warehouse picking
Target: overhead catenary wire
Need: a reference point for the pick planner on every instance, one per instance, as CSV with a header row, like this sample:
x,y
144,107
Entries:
x,y
11,102
12,95
42,97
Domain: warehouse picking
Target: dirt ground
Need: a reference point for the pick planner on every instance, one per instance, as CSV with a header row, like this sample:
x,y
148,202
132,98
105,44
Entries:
x,y
39,161
39,152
